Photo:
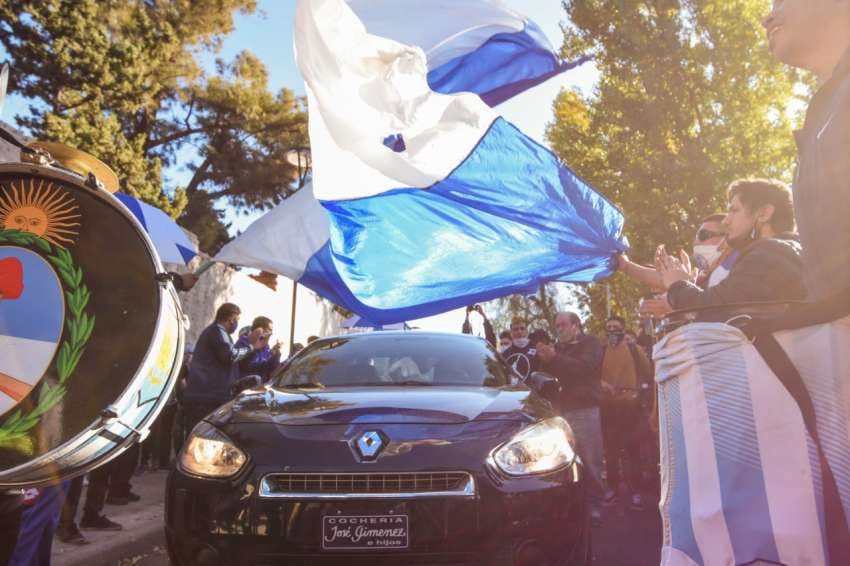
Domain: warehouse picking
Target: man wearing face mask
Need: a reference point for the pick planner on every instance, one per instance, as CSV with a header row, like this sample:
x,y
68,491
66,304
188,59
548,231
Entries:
x,y
521,355
713,258
215,364
759,227
626,378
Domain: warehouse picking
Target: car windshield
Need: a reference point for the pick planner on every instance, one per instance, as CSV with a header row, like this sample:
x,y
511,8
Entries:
x,y
412,359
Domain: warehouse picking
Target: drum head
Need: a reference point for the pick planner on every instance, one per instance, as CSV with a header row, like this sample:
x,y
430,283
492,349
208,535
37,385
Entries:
x,y
79,311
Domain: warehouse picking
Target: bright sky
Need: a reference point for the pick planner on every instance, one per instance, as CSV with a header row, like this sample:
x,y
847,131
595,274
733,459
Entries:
x,y
268,34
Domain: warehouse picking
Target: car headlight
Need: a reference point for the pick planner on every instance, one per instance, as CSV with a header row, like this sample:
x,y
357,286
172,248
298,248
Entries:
x,y
540,448
209,453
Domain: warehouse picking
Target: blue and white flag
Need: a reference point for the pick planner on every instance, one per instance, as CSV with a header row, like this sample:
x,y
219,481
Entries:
x,y
421,202
475,46
741,477
171,242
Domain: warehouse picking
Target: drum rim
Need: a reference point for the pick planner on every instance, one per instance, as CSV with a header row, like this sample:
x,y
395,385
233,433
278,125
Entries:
x,y
166,291
102,194
29,473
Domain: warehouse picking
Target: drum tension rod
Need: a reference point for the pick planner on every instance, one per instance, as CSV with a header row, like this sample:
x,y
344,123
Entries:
x,y
93,182
110,414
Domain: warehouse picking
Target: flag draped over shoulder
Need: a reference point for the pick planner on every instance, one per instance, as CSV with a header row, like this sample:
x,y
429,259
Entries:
x,y
421,201
742,480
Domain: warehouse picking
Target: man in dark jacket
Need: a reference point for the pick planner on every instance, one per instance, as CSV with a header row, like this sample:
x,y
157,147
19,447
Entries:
x,y
759,225
815,35
215,365
576,361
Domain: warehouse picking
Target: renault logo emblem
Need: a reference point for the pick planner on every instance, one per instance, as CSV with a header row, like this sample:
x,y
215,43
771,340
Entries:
x,y
369,444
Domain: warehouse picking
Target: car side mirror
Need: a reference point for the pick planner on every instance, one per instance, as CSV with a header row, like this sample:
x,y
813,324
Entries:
x,y
544,385
243,383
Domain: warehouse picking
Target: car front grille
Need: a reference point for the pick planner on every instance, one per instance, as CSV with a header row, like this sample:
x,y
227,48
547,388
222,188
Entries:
x,y
419,484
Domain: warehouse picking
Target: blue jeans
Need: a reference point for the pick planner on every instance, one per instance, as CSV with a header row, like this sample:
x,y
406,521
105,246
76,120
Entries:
x,y
38,524
587,428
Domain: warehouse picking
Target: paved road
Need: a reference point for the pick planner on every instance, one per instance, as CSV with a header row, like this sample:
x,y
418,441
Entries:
x,y
626,538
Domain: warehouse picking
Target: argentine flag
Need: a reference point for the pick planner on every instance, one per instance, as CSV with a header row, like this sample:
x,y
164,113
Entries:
x,y
421,201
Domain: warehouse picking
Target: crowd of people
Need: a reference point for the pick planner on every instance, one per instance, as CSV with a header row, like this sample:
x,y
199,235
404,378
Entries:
x,y
746,254
606,395
750,253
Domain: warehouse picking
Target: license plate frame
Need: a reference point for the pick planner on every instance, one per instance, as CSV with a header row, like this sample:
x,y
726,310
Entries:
x,y
352,532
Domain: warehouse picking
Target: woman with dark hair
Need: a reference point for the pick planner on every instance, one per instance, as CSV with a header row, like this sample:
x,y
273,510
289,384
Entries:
x,y
759,225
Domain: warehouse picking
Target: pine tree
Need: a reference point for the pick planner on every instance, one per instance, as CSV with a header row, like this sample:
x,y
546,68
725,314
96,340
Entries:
x,y
121,80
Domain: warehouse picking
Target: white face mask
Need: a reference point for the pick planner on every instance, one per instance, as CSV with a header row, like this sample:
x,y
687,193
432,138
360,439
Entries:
x,y
705,255
520,342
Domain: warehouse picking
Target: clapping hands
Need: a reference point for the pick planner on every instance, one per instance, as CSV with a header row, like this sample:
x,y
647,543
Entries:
x,y
673,269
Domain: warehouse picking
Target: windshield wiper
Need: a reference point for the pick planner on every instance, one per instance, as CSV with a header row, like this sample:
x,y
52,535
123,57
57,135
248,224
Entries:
x,y
303,386
403,383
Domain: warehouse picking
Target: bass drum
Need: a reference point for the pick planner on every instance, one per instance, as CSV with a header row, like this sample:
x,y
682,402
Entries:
x,y
90,341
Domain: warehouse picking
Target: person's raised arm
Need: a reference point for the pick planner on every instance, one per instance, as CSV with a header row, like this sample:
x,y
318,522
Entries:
x,y
226,352
646,275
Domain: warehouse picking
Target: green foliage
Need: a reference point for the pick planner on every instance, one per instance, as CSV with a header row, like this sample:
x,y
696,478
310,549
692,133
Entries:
x,y
79,326
206,222
121,80
538,309
689,99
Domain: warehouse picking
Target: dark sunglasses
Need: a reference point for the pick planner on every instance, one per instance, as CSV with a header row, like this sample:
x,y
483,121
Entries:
x,y
705,234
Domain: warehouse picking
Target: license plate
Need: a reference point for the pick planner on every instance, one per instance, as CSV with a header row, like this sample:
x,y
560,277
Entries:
x,y
364,532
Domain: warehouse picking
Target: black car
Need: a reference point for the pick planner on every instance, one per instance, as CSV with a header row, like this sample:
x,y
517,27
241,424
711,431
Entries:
x,y
382,448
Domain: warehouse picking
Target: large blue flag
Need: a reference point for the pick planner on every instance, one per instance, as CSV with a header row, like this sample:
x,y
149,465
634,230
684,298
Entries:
x,y
421,201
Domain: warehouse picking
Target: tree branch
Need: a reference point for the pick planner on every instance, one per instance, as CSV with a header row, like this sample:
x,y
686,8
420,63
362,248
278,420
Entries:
x,y
150,144
199,177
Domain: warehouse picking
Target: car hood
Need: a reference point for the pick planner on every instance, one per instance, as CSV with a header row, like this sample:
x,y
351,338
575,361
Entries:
x,y
364,405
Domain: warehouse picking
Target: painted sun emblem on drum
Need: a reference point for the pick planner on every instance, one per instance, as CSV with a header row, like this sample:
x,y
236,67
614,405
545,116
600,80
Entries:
x,y
41,210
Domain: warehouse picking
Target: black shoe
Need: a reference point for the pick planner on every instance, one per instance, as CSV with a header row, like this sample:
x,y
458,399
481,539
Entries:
x,y
117,500
71,535
133,496
99,523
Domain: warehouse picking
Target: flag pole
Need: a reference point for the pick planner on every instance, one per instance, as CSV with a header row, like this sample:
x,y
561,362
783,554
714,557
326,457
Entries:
x,y
292,318
206,265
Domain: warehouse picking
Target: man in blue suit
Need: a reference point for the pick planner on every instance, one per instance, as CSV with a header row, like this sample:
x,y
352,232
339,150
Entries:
x,y
215,365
